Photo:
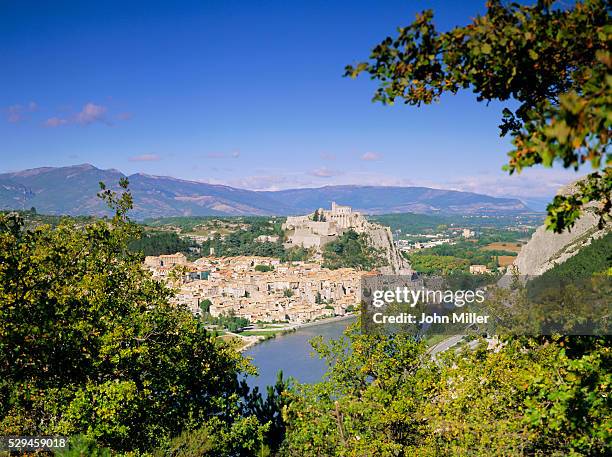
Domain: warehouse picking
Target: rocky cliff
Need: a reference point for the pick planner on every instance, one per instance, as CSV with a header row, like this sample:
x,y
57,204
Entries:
x,y
381,239
323,226
546,249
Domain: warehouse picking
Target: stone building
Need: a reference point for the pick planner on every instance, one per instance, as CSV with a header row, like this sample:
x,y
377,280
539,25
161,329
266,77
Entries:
x,y
344,217
168,260
479,269
317,229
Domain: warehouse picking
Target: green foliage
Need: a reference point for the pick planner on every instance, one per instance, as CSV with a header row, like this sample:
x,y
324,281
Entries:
x,y
241,438
460,280
591,259
205,305
348,413
238,238
191,224
244,436
490,229
571,411
270,411
552,58
185,223
31,219
384,396
229,322
264,268
438,264
81,446
296,254
288,293
488,236
414,223
159,243
565,209
351,250
242,242
446,258
89,343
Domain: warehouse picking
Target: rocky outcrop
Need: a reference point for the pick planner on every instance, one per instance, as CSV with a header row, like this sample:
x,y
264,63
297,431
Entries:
x,y
316,229
546,249
381,239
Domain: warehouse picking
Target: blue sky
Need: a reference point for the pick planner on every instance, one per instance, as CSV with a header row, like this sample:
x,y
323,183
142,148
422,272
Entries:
x,y
245,93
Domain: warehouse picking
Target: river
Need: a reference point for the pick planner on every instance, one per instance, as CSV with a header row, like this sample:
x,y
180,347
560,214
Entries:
x,y
291,353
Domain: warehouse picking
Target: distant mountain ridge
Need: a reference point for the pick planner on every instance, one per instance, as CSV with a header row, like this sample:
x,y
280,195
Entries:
x,y
389,199
72,190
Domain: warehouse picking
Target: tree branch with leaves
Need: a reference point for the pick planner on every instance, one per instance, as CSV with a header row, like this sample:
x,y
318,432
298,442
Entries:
x,y
553,59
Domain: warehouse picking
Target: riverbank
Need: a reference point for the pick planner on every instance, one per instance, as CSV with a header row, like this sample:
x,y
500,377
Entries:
x,y
252,339
327,320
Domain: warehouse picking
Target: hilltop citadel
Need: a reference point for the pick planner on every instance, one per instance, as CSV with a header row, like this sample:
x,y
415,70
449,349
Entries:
x,y
267,290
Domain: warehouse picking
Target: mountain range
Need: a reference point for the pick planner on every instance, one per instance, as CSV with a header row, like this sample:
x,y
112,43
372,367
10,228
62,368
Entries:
x,y
72,190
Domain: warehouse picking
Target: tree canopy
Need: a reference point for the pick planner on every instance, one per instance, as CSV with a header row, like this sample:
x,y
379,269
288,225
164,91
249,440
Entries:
x,y
386,396
351,250
158,243
552,58
91,345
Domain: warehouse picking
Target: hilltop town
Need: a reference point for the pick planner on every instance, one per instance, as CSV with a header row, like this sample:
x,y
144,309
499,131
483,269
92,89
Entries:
x,y
266,289
220,278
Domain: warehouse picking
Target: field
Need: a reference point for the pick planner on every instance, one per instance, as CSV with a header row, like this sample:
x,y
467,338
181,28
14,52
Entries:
x,y
503,246
505,260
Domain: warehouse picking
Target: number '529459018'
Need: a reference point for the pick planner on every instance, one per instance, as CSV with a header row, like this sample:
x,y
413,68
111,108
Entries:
x,y
32,443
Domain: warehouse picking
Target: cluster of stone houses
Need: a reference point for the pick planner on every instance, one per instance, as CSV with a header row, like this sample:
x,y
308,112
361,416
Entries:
x,y
295,292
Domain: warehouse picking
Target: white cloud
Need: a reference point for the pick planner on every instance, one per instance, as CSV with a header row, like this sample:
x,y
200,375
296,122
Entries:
x,y
371,156
261,182
18,113
536,182
324,172
91,113
531,184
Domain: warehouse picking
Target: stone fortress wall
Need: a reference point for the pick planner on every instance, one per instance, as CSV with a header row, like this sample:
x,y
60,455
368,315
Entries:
x,y
167,260
317,229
